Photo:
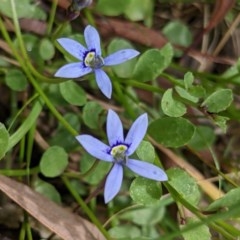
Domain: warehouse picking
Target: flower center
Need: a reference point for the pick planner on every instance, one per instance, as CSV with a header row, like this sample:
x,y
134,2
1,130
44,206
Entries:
x,y
118,152
92,60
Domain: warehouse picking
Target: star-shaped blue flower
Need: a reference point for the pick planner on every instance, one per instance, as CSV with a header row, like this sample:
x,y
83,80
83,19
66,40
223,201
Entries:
x,y
91,59
118,152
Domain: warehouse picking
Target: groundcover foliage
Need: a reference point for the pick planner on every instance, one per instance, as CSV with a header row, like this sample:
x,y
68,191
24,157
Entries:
x,y
119,119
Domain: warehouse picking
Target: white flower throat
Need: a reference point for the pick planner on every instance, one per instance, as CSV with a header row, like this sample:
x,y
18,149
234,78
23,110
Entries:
x,y
119,153
92,60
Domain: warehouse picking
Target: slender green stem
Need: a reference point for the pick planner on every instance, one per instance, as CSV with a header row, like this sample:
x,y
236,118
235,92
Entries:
x,y
18,172
85,208
52,16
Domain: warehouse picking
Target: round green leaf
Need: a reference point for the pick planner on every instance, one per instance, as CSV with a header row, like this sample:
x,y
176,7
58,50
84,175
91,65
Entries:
x,y
111,8
125,232
145,191
185,94
167,53
146,152
124,70
16,80
91,114
170,106
219,100
53,162
184,184
4,139
47,190
171,131
73,93
202,138
149,65
46,49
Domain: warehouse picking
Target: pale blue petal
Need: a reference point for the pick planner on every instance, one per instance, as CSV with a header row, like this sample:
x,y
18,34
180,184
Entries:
x,y
114,128
92,39
73,47
113,182
120,57
136,133
147,170
72,70
95,147
103,82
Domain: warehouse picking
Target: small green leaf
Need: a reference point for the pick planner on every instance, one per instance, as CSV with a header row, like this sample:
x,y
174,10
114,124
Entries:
x,y
219,100
53,162
221,121
167,52
46,49
188,80
16,80
202,138
178,33
149,65
140,12
91,115
227,201
185,94
146,152
145,191
124,70
111,8
197,91
4,139
47,190
146,215
73,93
124,232
171,131
170,106
184,184
195,233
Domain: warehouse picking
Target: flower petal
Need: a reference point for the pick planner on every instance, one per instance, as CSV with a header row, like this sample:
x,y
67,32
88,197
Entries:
x,y
136,133
73,47
113,182
147,170
92,39
114,128
103,82
95,147
120,57
72,70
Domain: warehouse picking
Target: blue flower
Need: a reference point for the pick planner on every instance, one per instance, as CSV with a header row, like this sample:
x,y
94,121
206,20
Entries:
x,y
91,59
118,152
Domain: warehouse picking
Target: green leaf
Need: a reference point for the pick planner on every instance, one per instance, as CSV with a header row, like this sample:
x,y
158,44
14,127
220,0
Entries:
x,y
167,53
185,94
47,190
94,177
73,93
124,231
123,70
195,233
197,91
140,12
188,80
46,49
149,65
145,216
146,152
221,121
145,191
171,131
62,137
184,184
218,101
16,80
111,8
170,106
4,139
92,115
53,162
227,201
202,138
178,33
